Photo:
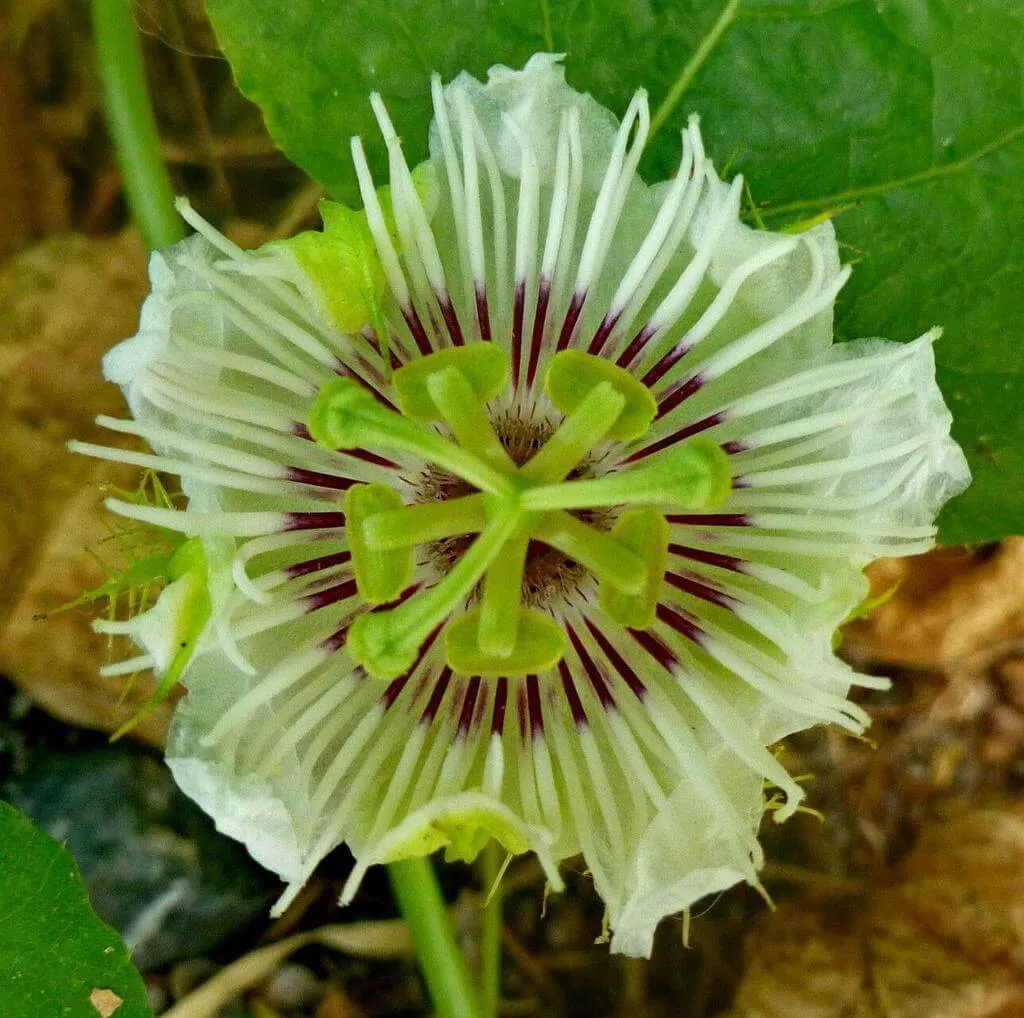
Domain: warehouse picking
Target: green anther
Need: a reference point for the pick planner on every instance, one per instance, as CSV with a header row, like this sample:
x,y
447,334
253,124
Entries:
x,y
380,575
454,386
610,560
484,366
425,522
499,609
346,416
386,643
540,645
694,475
572,375
587,424
645,532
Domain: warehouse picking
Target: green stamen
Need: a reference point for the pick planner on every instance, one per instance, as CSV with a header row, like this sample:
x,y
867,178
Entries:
x,y
499,610
572,375
346,416
380,575
540,645
602,554
584,427
408,526
645,532
694,475
454,386
386,643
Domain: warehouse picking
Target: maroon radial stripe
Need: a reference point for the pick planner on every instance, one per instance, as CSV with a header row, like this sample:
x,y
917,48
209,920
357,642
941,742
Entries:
x,y
537,334
523,713
733,447
597,682
371,457
679,393
316,565
469,706
451,319
518,310
394,690
604,330
533,702
332,595
655,648
440,688
638,342
412,319
299,430
500,706
702,591
572,316
709,519
618,662
313,521
680,436
316,479
483,316
579,715
681,623
710,558
666,363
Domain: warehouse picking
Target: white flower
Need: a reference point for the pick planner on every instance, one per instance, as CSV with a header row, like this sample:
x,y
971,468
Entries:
x,y
602,669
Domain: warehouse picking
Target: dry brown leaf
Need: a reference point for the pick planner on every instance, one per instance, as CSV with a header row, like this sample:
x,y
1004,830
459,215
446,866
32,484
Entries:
x,y
944,940
379,940
63,303
949,605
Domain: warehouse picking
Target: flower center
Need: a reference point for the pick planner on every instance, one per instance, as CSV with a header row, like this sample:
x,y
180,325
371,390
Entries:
x,y
508,503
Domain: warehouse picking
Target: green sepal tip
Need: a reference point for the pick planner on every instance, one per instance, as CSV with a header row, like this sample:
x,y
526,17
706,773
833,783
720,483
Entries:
x,y
484,365
573,374
380,575
645,532
539,645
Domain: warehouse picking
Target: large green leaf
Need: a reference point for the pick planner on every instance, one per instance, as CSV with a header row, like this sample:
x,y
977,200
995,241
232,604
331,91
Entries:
x,y
903,117
56,958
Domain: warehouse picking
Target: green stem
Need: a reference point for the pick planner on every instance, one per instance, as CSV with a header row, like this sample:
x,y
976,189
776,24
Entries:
x,y
444,969
132,128
491,865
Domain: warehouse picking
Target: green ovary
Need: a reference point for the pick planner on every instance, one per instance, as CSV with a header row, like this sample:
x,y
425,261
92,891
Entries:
x,y
514,505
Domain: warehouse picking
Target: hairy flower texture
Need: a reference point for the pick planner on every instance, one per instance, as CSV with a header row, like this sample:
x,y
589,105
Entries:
x,y
525,504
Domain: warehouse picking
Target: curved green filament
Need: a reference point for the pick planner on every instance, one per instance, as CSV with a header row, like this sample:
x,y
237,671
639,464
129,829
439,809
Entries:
x,y
380,576
694,475
425,522
582,429
346,416
386,643
601,553
467,417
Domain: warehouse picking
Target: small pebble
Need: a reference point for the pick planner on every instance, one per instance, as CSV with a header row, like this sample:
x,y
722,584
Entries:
x,y
293,988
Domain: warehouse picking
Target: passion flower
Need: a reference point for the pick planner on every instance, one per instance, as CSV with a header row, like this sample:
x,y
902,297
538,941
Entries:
x,y
524,504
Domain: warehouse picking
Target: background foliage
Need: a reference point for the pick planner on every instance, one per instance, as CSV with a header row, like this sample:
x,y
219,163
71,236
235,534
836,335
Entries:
x,y
902,118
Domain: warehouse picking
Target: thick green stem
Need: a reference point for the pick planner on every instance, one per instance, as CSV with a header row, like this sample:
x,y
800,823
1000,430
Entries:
x,y
132,128
444,969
